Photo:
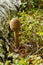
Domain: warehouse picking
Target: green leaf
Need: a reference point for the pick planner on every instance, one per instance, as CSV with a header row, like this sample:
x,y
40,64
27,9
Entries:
x,y
40,33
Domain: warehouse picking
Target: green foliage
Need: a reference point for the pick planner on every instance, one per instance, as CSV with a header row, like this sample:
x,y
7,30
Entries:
x,y
20,62
31,27
31,31
1,63
7,63
29,60
33,3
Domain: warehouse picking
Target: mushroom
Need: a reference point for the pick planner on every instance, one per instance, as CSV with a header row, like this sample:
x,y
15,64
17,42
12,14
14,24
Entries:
x,y
14,25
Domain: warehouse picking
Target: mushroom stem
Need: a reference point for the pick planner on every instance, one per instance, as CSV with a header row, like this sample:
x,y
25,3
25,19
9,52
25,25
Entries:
x,y
16,37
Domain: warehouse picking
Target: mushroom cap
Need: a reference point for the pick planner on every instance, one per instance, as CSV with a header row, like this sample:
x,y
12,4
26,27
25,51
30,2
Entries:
x,y
14,24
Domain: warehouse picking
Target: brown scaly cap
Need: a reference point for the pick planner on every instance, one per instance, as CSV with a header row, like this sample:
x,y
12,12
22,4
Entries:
x,y
14,24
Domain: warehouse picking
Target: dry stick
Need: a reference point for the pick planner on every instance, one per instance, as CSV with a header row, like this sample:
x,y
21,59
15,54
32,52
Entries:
x,y
38,50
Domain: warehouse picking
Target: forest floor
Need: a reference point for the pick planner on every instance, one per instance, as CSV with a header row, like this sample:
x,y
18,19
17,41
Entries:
x,y
30,51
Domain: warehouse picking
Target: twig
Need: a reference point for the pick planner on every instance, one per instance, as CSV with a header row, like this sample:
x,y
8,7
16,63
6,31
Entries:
x,y
38,50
